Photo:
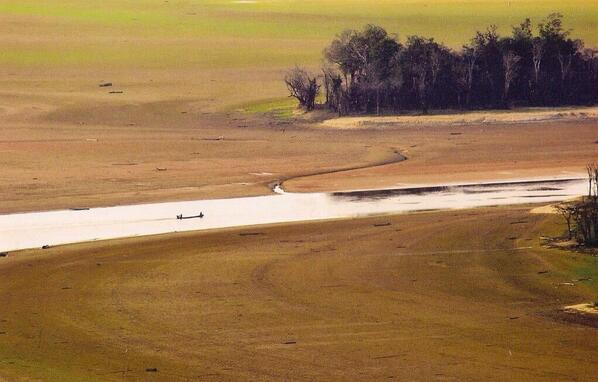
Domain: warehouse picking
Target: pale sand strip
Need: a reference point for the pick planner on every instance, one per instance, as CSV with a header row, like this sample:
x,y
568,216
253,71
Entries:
x,y
477,117
582,308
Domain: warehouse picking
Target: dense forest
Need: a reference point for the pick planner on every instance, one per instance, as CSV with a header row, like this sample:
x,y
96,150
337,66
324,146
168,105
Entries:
x,y
370,71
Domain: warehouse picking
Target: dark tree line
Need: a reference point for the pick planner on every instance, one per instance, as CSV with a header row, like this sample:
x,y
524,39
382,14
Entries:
x,y
370,71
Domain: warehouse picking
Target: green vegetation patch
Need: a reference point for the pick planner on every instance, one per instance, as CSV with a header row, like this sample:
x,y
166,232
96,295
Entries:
x,y
586,271
87,12
277,107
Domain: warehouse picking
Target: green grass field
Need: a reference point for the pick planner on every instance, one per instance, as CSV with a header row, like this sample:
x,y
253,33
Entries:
x,y
220,34
224,52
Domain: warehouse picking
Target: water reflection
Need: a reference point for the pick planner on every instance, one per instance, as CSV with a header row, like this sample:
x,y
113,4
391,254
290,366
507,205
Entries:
x,y
480,188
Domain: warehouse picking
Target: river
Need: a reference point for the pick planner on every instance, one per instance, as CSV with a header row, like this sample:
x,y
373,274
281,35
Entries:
x,y
37,229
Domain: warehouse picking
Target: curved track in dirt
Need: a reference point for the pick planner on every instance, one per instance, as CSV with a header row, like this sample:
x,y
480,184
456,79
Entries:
x,y
397,158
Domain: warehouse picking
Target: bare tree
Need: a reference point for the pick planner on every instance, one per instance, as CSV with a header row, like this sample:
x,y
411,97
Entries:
x,y
396,80
327,85
568,212
470,55
590,57
537,54
586,222
584,213
303,87
581,216
333,88
592,170
565,64
434,65
420,85
510,64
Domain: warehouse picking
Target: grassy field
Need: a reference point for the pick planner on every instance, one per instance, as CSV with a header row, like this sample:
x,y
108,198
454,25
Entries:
x,y
241,34
458,295
200,42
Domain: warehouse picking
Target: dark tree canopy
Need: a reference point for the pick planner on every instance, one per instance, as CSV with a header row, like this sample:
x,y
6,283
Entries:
x,y
370,70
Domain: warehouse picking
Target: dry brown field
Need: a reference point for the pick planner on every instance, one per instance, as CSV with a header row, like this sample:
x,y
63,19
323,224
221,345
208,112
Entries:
x,y
459,295
185,68
107,153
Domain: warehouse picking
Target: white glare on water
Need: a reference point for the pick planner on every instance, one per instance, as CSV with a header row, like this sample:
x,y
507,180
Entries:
x,y
30,230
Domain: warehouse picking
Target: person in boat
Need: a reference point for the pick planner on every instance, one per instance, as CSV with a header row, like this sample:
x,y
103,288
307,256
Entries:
x,y
180,217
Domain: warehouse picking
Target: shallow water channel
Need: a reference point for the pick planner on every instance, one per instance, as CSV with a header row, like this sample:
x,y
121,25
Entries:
x,y
36,229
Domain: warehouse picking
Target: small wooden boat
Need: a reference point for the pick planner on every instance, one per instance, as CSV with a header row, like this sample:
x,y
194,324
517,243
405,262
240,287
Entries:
x,y
181,217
